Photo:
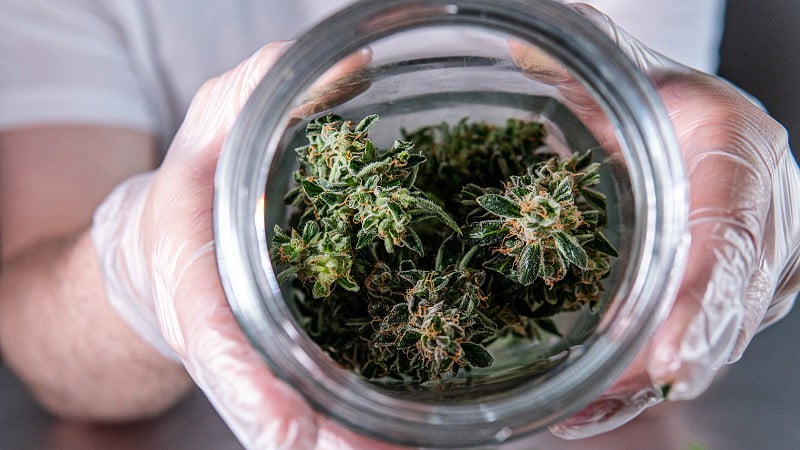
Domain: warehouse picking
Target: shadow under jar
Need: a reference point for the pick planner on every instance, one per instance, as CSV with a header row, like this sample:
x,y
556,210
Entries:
x,y
440,61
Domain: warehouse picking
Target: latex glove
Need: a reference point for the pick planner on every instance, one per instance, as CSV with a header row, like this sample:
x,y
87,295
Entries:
x,y
154,240
744,194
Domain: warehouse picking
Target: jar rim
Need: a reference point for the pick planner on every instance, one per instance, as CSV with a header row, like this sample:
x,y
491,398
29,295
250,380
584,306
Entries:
x,y
657,177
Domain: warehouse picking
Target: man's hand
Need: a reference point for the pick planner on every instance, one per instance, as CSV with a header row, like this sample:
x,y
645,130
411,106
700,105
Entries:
x,y
162,262
743,193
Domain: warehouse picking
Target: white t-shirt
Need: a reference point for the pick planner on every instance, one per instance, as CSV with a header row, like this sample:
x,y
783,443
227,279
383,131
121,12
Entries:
x,y
137,63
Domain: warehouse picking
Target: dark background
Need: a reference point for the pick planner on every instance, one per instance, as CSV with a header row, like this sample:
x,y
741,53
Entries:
x,y
761,53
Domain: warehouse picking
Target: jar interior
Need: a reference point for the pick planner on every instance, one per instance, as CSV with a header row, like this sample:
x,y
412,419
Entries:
x,y
443,74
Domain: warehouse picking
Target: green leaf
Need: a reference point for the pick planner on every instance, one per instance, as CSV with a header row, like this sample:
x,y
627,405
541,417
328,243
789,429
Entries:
x,y
330,198
594,198
601,244
570,250
590,177
520,191
411,178
467,303
371,222
499,205
356,164
385,339
440,282
487,232
311,189
388,245
412,241
472,191
583,160
437,322
398,315
348,284
310,231
399,145
301,151
337,187
529,263
287,274
372,168
369,151
396,210
435,210
411,275
464,261
476,355
418,215
280,236
563,191
410,337
591,217
503,265
320,290
293,195
365,237
366,123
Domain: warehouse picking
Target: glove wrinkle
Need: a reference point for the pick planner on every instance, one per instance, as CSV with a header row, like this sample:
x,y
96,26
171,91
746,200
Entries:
x,y
744,189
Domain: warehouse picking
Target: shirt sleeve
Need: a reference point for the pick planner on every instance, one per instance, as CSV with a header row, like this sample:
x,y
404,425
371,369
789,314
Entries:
x,y
66,62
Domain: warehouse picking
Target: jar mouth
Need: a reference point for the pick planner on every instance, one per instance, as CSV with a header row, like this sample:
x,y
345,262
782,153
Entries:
x,y
657,185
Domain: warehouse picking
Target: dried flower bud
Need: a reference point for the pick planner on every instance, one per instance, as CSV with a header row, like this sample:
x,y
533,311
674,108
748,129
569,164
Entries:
x,y
537,223
382,222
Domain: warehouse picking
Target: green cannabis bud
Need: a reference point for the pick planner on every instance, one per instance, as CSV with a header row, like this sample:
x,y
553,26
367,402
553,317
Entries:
x,y
351,194
442,269
544,222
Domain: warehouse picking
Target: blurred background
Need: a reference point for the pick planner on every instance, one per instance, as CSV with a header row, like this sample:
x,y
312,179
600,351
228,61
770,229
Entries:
x,y
755,403
761,53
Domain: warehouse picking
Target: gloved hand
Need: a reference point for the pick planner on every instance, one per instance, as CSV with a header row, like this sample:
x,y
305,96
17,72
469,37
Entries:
x,y
154,239
744,195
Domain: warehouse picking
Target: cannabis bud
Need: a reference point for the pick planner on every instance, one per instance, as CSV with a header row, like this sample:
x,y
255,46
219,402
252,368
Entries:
x,y
431,298
543,222
351,194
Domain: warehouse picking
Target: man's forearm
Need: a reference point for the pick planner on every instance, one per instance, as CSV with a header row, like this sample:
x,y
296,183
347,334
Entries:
x,y
61,336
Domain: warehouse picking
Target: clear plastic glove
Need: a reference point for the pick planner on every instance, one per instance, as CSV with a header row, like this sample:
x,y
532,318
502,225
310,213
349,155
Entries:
x,y
154,239
744,189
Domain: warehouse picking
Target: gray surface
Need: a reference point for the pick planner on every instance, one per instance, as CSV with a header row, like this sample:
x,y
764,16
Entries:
x,y
23,425
754,405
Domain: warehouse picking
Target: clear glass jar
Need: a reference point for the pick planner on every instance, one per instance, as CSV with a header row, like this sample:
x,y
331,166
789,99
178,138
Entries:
x,y
441,60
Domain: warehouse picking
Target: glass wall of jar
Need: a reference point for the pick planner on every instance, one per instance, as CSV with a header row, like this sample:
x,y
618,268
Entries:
x,y
438,61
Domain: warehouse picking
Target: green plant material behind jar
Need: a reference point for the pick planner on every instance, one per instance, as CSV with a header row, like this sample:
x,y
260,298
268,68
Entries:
x,y
512,238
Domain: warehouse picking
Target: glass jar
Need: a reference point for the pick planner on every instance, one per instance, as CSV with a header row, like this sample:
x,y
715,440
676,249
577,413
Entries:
x,y
441,60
